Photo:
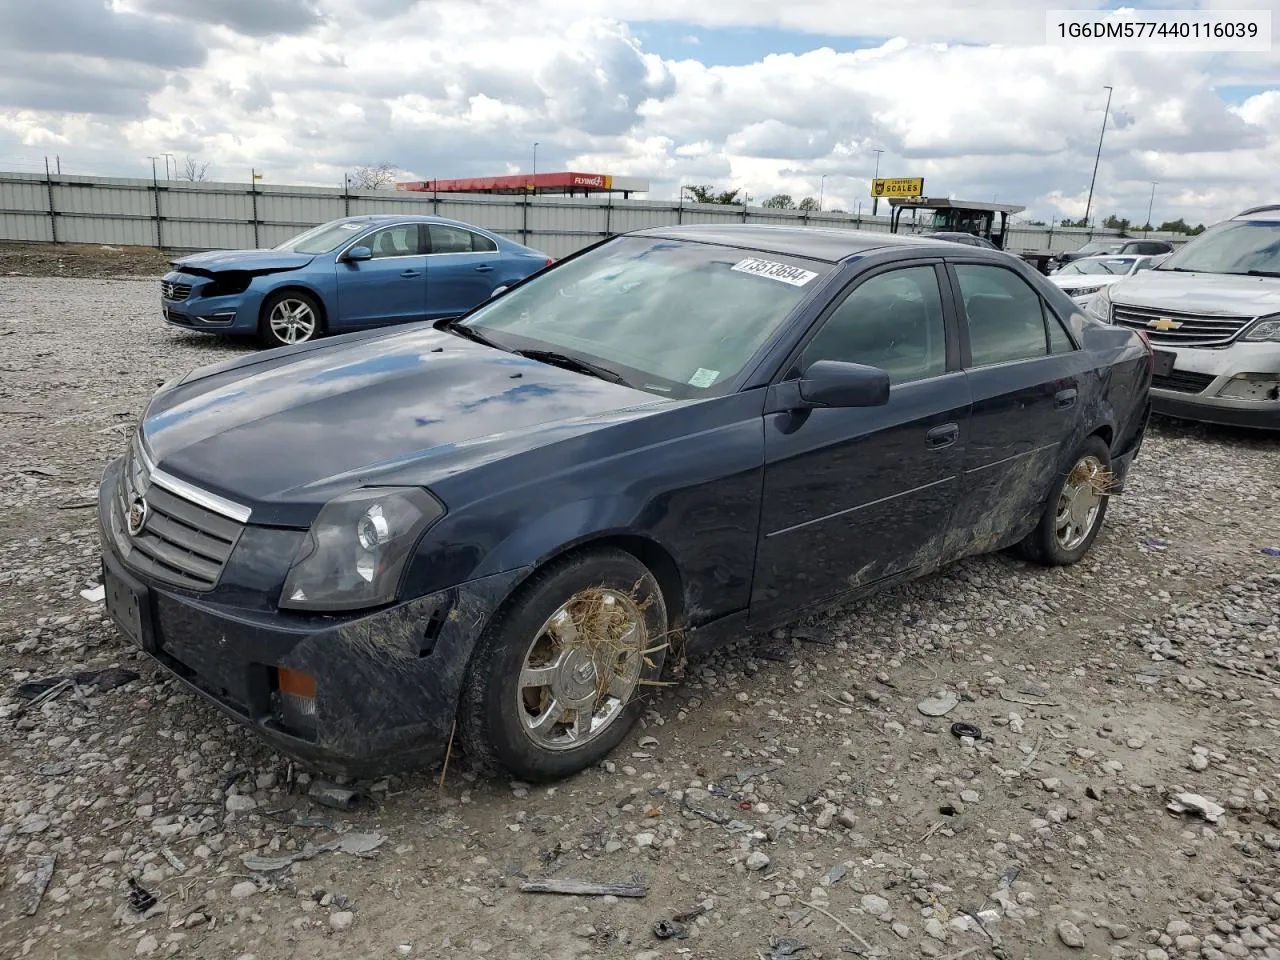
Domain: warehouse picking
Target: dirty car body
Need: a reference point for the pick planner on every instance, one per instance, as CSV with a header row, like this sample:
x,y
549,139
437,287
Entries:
x,y
853,434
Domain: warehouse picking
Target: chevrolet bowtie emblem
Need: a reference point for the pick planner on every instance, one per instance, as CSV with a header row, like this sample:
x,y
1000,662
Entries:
x,y
1164,323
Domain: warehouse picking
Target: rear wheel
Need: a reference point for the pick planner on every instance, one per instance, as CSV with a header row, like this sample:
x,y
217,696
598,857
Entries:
x,y
289,317
1075,509
558,678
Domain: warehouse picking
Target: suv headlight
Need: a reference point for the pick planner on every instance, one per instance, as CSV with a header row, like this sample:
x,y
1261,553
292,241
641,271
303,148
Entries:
x,y
1264,329
1100,306
356,549
1085,291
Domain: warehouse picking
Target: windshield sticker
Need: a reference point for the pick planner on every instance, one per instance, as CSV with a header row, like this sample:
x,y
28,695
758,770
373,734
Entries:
x,y
774,271
704,377
350,226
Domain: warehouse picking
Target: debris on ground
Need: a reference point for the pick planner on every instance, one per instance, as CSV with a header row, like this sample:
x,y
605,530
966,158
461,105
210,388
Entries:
x,y
104,680
355,844
95,594
583,888
1194,803
31,893
939,705
140,898
669,930
333,795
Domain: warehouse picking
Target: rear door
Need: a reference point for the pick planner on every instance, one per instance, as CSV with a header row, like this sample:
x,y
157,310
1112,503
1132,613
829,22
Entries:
x,y
855,496
462,269
1026,376
390,288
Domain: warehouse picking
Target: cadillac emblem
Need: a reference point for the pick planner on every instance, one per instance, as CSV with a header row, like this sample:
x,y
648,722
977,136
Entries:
x,y
137,518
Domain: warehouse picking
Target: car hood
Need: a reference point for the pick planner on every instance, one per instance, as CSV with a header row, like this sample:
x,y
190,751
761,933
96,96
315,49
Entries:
x,y
264,260
1080,280
282,435
1203,293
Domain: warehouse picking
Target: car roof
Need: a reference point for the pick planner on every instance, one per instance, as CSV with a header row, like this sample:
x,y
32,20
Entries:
x,y
829,244
1268,212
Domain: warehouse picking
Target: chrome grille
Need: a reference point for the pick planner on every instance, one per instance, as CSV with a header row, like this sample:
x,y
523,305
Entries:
x,y
174,291
1195,330
181,543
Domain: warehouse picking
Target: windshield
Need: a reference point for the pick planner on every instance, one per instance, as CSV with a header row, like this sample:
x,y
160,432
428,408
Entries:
x,y
326,237
1117,267
672,317
1237,246
1101,246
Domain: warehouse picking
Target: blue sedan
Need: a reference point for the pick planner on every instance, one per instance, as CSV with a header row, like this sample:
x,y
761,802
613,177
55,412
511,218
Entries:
x,y
346,275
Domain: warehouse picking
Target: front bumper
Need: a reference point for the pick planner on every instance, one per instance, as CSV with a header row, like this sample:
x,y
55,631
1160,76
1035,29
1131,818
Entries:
x,y
387,683
1203,380
230,313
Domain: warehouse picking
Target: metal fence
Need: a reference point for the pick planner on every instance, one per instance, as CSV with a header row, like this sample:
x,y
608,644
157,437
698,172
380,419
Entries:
x,y
177,215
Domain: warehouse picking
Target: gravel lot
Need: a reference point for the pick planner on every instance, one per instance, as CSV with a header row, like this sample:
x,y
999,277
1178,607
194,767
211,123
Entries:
x,y
789,799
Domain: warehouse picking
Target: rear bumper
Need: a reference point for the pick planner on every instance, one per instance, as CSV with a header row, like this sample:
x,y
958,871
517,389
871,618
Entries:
x,y
387,684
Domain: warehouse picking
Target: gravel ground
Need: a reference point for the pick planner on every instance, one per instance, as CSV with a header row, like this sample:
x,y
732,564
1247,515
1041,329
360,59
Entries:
x,y
790,798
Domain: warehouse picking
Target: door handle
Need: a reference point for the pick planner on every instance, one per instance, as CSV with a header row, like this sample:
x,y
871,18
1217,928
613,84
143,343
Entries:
x,y
942,436
483,268
1064,398
411,273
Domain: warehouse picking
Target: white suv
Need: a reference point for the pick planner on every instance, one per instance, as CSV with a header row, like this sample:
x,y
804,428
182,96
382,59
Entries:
x,y
1211,312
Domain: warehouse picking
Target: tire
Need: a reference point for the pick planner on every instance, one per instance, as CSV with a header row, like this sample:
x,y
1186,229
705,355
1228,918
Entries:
x,y
1047,544
502,704
305,321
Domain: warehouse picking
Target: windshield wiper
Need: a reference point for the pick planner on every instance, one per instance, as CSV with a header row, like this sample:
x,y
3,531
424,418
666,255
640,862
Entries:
x,y
573,363
471,333
1262,273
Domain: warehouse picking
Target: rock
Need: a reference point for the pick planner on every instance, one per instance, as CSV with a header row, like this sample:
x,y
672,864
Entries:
x,y
644,839
940,705
1070,934
1176,928
825,818
757,860
875,905
1156,953
147,945
935,929
902,930
243,889
240,803
1187,943
1199,762
1119,931
342,920
847,819
970,796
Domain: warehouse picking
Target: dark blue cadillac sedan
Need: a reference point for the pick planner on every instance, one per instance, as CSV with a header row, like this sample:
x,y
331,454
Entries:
x,y
509,524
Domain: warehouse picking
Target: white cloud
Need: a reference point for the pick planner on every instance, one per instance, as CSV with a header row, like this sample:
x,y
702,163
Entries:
x,y
306,91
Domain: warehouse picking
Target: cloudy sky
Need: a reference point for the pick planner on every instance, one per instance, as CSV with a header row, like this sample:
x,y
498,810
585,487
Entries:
x,y
762,95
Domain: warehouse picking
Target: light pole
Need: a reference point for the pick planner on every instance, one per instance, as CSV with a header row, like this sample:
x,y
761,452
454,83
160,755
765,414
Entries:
x,y
1105,111
535,158
1151,203
822,186
875,201
153,168
167,156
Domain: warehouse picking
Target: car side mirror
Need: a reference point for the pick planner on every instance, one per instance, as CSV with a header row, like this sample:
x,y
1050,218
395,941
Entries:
x,y
835,383
358,253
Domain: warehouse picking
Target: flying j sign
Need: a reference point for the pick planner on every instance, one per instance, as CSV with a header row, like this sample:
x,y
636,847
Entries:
x,y
898,187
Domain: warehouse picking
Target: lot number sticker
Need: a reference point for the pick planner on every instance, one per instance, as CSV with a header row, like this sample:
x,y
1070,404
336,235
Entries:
x,y
774,271
703,377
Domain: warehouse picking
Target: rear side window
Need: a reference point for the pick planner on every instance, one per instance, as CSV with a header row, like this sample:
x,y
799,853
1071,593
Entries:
x,y
1006,317
398,241
447,239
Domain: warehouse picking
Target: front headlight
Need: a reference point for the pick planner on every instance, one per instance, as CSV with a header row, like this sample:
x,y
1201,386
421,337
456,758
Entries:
x,y
356,549
1266,329
1085,291
1100,306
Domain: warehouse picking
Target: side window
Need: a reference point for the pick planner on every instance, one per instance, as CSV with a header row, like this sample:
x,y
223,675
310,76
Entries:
x,y
892,321
1059,340
1006,317
447,239
398,241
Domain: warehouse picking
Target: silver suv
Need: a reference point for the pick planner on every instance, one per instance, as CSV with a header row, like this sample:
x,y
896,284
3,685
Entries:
x,y
1211,312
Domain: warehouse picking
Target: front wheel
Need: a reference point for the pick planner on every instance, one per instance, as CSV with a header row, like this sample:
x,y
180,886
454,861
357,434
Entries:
x,y
289,317
558,678
1074,511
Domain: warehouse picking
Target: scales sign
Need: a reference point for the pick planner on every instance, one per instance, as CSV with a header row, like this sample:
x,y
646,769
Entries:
x,y
898,187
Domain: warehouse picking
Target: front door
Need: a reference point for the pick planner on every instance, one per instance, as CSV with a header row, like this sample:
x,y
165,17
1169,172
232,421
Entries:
x,y
855,496
390,288
1025,377
462,270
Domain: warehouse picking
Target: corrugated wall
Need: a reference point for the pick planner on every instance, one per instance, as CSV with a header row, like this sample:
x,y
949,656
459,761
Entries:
x,y
204,216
